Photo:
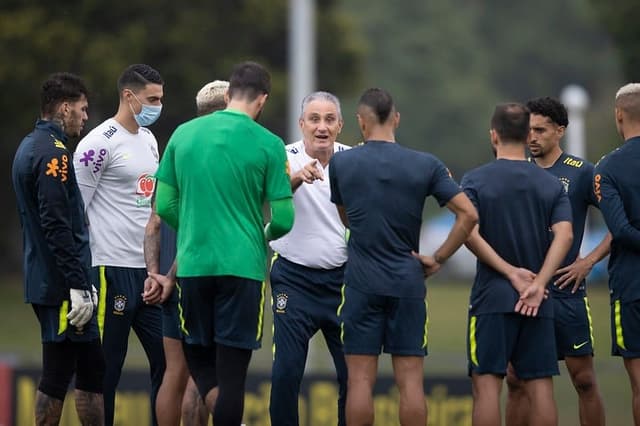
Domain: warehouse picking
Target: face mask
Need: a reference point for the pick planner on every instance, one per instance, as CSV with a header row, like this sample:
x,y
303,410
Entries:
x,y
148,114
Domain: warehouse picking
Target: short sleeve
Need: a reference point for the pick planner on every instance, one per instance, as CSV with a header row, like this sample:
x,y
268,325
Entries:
x,y
561,211
470,189
277,178
90,160
336,197
443,187
166,172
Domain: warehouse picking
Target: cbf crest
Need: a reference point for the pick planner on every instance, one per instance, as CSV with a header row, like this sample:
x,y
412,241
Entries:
x,y
565,183
281,303
119,303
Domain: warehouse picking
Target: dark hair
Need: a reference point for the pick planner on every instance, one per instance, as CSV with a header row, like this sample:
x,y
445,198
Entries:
x,y
61,87
511,122
135,77
249,80
551,108
380,102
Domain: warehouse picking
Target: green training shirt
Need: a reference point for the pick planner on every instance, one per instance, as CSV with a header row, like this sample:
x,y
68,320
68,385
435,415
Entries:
x,y
223,166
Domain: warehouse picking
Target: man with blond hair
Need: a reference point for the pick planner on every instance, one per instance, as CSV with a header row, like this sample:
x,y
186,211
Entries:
x,y
212,97
618,192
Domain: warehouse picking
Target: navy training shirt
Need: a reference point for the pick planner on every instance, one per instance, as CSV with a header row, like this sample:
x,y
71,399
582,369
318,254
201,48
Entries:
x,y
617,188
54,228
576,175
517,203
383,187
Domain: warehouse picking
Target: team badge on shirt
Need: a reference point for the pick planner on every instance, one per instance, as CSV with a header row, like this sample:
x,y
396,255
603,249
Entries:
x,y
281,303
565,182
144,186
119,303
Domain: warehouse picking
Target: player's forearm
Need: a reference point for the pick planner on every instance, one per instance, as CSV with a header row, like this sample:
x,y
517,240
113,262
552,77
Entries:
x,y
282,217
600,251
466,220
151,243
486,254
562,240
173,271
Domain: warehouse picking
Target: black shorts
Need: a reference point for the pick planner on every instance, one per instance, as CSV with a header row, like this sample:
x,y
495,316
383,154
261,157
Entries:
x,y
54,326
625,329
371,323
171,316
528,343
573,328
222,309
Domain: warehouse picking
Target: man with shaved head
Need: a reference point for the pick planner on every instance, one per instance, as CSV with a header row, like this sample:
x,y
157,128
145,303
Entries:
x,y
618,191
380,188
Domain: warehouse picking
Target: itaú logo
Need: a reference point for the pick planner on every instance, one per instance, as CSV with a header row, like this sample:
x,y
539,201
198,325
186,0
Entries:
x,y
145,185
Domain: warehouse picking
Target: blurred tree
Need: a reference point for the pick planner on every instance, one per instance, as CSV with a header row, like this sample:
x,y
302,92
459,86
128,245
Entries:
x,y
190,43
621,18
448,63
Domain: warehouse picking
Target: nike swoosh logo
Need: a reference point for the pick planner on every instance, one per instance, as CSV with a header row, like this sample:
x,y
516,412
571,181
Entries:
x,y
580,345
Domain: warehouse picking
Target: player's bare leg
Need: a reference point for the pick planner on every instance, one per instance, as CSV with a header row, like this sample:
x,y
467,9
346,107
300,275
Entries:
x,y
517,409
633,370
362,377
174,381
584,381
194,410
409,375
486,399
90,408
48,410
543,410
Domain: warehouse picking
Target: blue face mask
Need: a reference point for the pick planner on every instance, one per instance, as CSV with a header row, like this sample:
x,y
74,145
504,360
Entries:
x,y
148,114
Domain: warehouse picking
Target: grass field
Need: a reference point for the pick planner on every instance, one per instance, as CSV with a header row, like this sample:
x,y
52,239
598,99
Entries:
x,y
19,344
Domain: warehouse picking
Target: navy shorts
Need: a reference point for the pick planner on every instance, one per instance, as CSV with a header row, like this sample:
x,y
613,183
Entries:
x,y
222,309
371,323
494,340
54,326
573,328
170,316
625,329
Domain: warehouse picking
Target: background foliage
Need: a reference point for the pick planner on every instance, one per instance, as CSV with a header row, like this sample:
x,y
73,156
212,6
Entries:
x,y
447,63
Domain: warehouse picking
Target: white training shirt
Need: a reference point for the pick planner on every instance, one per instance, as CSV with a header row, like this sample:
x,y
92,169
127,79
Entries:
x,y
317,239
115,169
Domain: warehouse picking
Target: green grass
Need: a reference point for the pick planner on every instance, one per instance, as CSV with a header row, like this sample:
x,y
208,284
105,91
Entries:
x,y
19,343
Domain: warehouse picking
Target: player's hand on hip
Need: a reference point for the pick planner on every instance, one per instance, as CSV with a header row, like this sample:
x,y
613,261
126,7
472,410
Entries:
x,y
574,273
429,264
81,307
